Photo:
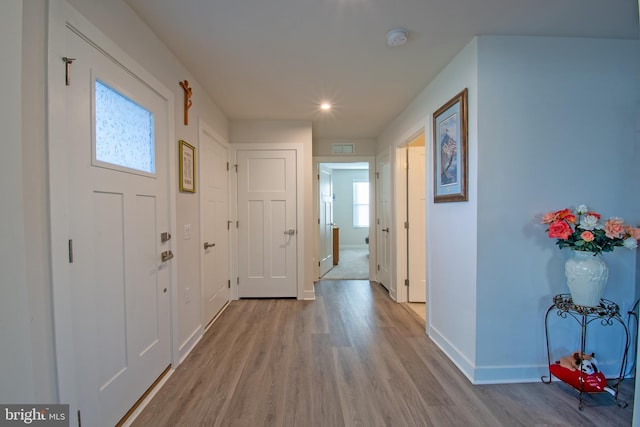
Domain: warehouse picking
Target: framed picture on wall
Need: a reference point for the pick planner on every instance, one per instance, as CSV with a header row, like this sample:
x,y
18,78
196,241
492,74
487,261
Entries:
x,y
450,150
187,167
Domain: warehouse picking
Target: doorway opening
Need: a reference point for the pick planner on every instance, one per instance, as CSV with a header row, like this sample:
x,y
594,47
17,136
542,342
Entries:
x,y
412,261
344,212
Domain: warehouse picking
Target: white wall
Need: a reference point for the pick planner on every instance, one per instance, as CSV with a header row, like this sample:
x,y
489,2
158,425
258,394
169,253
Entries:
x,y
27,319
275,132
553,123
35,175
17,373
557,127
451,227
343,206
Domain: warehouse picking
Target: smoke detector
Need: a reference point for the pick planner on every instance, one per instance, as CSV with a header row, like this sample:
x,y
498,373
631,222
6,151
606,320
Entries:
x,y
397,37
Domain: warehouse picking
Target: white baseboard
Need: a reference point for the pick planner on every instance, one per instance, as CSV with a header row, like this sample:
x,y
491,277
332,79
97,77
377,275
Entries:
x,y
189,344
502,374
309,295
458,359
147,399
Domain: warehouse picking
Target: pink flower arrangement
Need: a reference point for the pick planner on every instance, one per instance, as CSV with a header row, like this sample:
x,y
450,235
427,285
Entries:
x,y
584,231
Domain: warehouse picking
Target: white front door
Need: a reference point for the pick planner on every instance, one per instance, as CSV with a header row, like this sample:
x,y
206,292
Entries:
x,y
416,216
325,192
267,230
214,182
118,207
384,221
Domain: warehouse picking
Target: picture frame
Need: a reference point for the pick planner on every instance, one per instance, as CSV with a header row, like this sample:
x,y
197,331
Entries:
x,y
187,167
450,150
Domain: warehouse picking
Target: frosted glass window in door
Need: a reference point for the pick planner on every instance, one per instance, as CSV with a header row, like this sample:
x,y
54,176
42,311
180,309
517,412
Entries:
x,y
124,131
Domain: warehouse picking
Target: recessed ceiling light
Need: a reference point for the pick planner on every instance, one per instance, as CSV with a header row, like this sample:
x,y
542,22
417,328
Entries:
x,y
325,106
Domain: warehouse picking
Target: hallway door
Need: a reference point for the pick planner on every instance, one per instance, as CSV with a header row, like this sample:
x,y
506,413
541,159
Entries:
x,y
118,181
215,226
267,231
416,217
383,221
325,221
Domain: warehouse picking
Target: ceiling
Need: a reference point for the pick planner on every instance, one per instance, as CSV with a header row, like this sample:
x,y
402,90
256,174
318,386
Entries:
x,y
279,59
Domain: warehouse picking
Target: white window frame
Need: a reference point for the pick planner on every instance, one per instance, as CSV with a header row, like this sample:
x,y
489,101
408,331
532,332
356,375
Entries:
x,y
357,205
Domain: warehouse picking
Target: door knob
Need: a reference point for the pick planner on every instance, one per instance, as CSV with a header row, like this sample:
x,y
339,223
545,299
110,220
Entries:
x,y
290,231
208,245
386,229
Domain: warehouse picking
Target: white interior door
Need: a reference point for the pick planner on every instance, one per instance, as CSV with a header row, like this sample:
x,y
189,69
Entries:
x,y
267,237
118,208
214,181
384,221
416,216
325,192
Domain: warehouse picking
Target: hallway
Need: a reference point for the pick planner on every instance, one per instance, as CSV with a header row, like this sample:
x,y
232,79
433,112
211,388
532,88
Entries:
x,y
351,357
354,265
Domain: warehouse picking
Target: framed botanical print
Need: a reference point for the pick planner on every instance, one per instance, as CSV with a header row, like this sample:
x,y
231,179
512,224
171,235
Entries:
x,y
187,167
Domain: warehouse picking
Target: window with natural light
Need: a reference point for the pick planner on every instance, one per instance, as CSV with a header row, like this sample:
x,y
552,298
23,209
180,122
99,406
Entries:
x,y
360,204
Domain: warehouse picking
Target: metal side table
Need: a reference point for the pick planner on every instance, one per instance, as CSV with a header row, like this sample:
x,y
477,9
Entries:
x,y
607,313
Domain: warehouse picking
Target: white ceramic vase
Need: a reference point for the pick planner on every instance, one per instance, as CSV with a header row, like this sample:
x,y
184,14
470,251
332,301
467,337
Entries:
x,y
587,275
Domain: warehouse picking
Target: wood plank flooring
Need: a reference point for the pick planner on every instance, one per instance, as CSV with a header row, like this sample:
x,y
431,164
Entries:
x,y
353,357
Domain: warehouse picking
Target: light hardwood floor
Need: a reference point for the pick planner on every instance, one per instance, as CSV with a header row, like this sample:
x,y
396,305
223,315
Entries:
x,y
352,357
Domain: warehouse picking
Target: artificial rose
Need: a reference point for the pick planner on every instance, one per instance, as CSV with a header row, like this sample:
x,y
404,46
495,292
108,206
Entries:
x,y
589,222
587,236
633,232
566,215
549,217
596,214
559,230
584,230
582,209
614,228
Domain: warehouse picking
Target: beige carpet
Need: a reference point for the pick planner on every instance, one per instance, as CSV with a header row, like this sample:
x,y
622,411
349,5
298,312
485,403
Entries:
x,y
354,264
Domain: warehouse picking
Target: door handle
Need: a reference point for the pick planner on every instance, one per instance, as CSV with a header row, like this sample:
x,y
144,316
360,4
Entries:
x,y
386,229
290,232
208,245
166,256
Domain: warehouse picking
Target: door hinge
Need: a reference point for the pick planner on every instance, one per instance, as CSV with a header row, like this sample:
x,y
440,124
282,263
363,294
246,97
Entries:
x,y
406,282
378,221
377,175
318,220
227,165
67,69
318,263
318,177
70,251
378,267
236,167
229,283
406,225
237,224
79,419
237,280
229,225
